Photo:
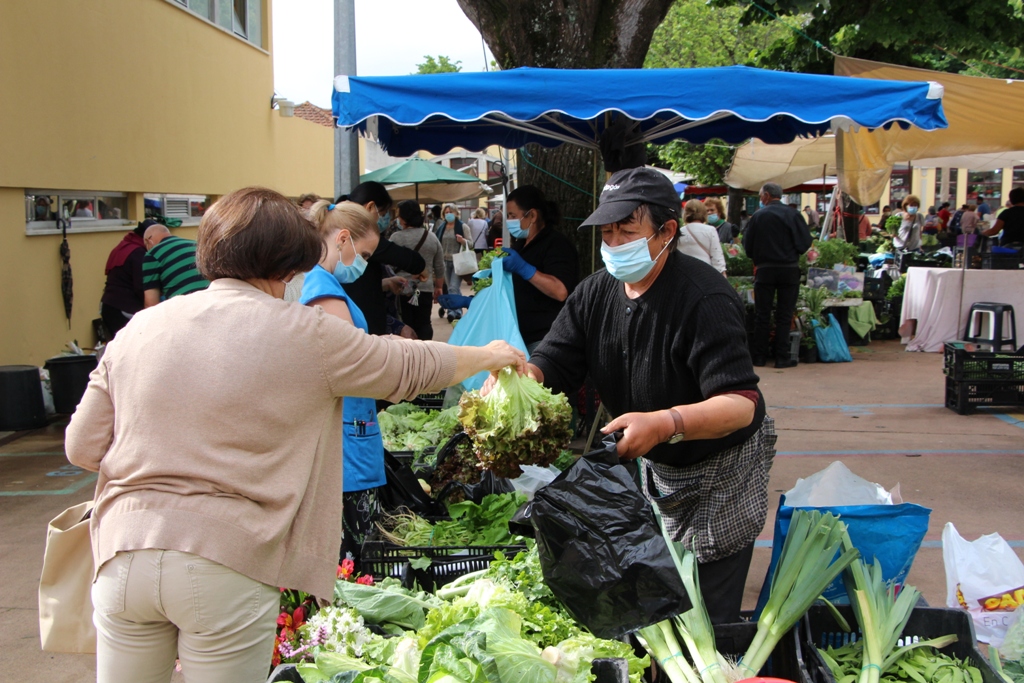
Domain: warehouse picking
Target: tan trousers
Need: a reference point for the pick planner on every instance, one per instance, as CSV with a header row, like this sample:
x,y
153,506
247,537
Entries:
x,y
154,605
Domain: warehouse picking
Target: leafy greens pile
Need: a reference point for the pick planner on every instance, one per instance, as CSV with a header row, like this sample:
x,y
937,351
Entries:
x,y
406,427
470,524
484,629
518,422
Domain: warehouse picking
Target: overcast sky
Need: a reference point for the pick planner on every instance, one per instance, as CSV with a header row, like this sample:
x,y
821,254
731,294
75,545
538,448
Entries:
x,y
392,37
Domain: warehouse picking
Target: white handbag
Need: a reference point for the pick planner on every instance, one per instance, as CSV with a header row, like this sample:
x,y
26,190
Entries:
x,y
464,262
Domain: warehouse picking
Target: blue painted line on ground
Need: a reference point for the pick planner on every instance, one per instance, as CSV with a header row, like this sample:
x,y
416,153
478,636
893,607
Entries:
x,y
905,451
76,486
5,455
767,543
1008,419
861,406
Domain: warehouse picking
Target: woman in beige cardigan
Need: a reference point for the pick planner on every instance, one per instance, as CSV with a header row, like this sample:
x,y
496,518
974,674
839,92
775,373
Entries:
x,y
214,421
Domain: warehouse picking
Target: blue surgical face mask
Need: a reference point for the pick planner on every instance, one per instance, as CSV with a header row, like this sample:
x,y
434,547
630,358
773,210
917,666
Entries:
x,y
450,217
516,229
383,222
630,262
760,204
712,217
911,210
348,274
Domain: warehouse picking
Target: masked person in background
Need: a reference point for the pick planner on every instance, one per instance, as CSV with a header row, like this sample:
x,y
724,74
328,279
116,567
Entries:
x,y
368,290
451,234
662,337
908,238
543,262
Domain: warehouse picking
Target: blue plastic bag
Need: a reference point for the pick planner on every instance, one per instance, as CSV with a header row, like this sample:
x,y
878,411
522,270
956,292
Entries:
x,y
891,534
831,344
491,316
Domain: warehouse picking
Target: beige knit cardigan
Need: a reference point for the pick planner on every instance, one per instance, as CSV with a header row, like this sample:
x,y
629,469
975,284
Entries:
x,y
215,421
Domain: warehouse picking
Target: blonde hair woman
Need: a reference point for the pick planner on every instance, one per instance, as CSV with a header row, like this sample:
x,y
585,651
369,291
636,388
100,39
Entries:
x,y
220,457
698,239
478,230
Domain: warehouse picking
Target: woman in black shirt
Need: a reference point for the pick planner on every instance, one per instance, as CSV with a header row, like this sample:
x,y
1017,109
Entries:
x,y
543,263
662,337
1011,220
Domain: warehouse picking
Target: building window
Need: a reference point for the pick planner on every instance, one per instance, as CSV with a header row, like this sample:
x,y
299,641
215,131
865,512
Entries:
x,y
899,184
1018,176
465,164
987,183
188,208
244,18
86,211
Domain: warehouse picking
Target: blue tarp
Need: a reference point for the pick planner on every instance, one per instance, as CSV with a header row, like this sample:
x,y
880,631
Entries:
x,y
550,106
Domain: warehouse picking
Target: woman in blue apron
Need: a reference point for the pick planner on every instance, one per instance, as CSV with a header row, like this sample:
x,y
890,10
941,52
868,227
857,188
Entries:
x,y
350,236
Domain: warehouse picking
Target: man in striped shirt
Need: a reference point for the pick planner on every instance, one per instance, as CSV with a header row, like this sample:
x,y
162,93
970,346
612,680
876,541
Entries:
x,y
169,268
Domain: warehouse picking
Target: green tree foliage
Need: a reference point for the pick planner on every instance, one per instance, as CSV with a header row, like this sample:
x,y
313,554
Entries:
x,y
695,34
439,65
916,33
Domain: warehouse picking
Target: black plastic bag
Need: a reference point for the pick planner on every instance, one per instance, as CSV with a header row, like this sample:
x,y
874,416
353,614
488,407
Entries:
x,y
489,483
601,548
403,490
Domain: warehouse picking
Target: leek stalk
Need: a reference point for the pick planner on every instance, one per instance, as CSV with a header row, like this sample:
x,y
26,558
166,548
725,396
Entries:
x,y
805,569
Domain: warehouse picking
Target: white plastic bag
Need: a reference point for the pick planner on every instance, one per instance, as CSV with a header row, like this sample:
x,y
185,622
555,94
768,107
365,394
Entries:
x,y
986,578
836,485
464,262
534,478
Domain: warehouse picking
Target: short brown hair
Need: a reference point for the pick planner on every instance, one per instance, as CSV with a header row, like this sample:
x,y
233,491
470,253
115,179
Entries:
x,y
717,204
911,199
695,212
307,198
256,234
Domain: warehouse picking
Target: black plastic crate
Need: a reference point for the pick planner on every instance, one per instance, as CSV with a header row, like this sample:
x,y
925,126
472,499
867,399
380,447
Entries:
x,y
786,660
1000,261
961,364
964,397
381,559
409,458
819,629
875,288
430,401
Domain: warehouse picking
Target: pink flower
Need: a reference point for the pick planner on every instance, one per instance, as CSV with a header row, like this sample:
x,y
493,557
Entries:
x,y
365,579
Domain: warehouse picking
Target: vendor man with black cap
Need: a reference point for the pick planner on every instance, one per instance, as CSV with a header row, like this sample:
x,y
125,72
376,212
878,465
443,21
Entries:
x,y
662,336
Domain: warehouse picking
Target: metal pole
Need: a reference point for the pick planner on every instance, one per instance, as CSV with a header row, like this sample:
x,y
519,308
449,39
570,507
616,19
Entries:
x,y
346,143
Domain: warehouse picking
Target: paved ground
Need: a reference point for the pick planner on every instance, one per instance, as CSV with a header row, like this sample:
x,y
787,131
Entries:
x,y
882,415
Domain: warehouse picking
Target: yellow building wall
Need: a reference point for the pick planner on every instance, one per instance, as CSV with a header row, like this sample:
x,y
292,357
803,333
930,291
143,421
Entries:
x,y
126,96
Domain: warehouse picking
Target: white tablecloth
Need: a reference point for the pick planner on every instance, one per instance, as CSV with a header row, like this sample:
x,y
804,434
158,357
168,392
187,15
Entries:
x,y
932,295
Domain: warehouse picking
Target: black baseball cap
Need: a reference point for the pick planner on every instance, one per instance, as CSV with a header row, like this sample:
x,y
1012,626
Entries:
x,y
629,188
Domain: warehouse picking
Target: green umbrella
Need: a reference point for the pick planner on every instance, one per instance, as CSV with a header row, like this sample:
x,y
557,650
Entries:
x,y
418,172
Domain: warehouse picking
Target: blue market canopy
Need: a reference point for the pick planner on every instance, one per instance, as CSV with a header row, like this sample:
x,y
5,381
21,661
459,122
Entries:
x,y
553,106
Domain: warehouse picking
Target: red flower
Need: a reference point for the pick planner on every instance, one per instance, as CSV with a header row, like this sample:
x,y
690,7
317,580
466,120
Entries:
x,y
299,616
346,568
284,620
365,579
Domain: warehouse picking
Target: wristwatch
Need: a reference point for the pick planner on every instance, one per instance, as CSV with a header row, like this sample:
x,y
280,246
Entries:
x,y
680,432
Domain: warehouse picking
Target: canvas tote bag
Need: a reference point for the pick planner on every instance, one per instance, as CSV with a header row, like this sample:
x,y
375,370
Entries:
x,y
65,598
464,262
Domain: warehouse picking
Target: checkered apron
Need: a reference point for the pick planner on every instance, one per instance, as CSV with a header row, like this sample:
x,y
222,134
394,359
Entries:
x,y
717,506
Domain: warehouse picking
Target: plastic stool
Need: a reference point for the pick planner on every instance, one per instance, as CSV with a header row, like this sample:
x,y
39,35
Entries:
x,y
986,324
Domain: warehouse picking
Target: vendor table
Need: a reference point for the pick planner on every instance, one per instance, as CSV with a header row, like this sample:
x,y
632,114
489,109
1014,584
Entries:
x,y
932,296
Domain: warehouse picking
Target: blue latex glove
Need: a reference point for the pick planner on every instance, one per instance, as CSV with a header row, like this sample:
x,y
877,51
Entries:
x,y
514,263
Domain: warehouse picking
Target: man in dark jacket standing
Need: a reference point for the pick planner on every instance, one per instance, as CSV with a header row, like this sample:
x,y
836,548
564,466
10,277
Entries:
x,y
776,236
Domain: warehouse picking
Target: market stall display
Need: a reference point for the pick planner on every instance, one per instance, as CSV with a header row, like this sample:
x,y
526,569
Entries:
x,y
933,312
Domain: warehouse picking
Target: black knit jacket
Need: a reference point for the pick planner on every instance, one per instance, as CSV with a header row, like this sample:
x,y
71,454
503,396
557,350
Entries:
x,y
680,343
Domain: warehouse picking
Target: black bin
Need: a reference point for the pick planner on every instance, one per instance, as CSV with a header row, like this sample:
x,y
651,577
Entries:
x,y
69,375
21,398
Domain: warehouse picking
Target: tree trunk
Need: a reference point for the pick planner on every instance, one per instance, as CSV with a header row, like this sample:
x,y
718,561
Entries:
x,y
851,219
736,205
567,34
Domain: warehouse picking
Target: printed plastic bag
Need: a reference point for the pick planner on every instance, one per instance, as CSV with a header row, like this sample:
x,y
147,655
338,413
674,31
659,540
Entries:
x,y
492,316
464,261
881,526
831,344
601,549
984,577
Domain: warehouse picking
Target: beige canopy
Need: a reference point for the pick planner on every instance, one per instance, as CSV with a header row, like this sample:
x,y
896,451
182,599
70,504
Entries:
x,y
985,116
